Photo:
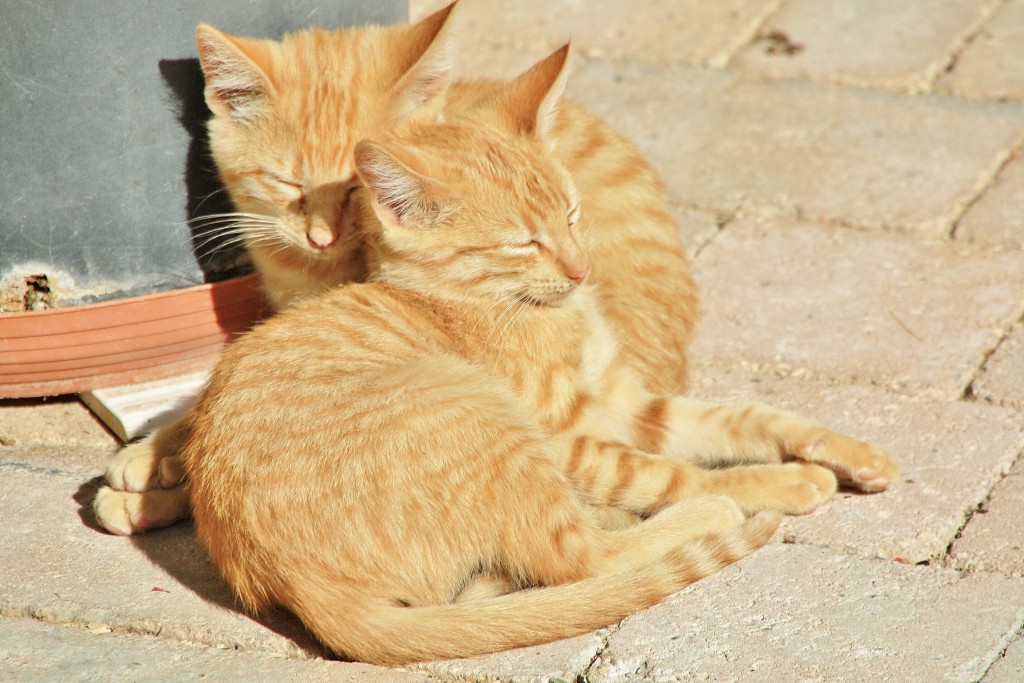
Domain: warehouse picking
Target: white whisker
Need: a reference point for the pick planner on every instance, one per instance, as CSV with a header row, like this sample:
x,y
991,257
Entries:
x,y
496,321
484,315
523,304
233,214
237,238
208,196
517,307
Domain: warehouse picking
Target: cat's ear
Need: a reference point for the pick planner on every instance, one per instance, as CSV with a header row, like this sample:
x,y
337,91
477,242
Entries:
x,y
429,49
236,86
529,102
400,195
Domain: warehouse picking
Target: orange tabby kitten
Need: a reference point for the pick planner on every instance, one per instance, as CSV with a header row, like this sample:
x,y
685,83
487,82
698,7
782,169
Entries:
x,y
286,115
285,121
471,403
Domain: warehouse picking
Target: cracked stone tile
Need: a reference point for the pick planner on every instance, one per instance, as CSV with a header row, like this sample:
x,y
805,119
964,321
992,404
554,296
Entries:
x,y
36,651
727,142
798,613
951,455
992,65
60,421
563,659
85,461
1000,380
870,42
993,540
501,39
915,315
1010,667
696,227
997,218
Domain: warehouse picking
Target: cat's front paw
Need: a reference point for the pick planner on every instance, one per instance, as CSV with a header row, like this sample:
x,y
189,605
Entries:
x,y
856,463
125,513
141,467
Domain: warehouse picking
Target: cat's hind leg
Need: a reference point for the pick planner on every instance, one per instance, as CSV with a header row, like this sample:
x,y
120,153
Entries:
x,y
703,533
733,433
613,474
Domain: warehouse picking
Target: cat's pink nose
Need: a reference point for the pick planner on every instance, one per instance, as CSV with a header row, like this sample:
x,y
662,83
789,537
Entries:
x,y
321,239
578,273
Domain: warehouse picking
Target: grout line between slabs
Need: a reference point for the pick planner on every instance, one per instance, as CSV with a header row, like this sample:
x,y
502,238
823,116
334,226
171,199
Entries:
x,y
1003,159
968,394
959,45
1004,644
946,559
723,59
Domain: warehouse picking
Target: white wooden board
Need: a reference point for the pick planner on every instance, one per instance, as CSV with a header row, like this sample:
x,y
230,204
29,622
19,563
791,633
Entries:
x,y
135,410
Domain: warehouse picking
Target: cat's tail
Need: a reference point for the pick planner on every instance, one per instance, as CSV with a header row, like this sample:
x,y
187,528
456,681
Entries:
x,y
391,634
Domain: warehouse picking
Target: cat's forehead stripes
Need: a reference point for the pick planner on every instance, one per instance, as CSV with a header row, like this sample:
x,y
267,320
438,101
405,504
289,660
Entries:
x,y
329,87
538,188
333,88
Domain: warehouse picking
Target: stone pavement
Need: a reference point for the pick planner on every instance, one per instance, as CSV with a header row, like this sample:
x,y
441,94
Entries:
x,y
849,179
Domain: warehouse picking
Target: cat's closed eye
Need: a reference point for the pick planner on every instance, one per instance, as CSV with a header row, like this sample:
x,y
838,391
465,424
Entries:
x,y
525,245
289,187
348,196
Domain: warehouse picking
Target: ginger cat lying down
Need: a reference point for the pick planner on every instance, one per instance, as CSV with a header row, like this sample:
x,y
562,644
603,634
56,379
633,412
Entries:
x,y
285,123
419,467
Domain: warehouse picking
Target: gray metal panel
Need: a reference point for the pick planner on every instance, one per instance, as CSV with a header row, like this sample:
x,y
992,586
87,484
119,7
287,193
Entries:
x,y
102,139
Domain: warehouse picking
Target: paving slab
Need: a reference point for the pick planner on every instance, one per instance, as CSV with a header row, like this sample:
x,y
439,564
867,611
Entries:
x,y
900,45
60,421
35,651
87,462
798,613
1000,381
993,539
951,454
696,227
992,64
997,217
875,308
727,142
60,568
499,41
1010,667
564,659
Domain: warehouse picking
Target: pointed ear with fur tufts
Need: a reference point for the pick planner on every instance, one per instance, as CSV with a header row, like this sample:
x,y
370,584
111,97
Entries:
x,y
430,45
529,101
400,195
236,86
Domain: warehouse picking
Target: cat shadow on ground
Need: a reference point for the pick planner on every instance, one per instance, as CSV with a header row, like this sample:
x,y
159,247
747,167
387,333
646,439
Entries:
x,y
177,551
